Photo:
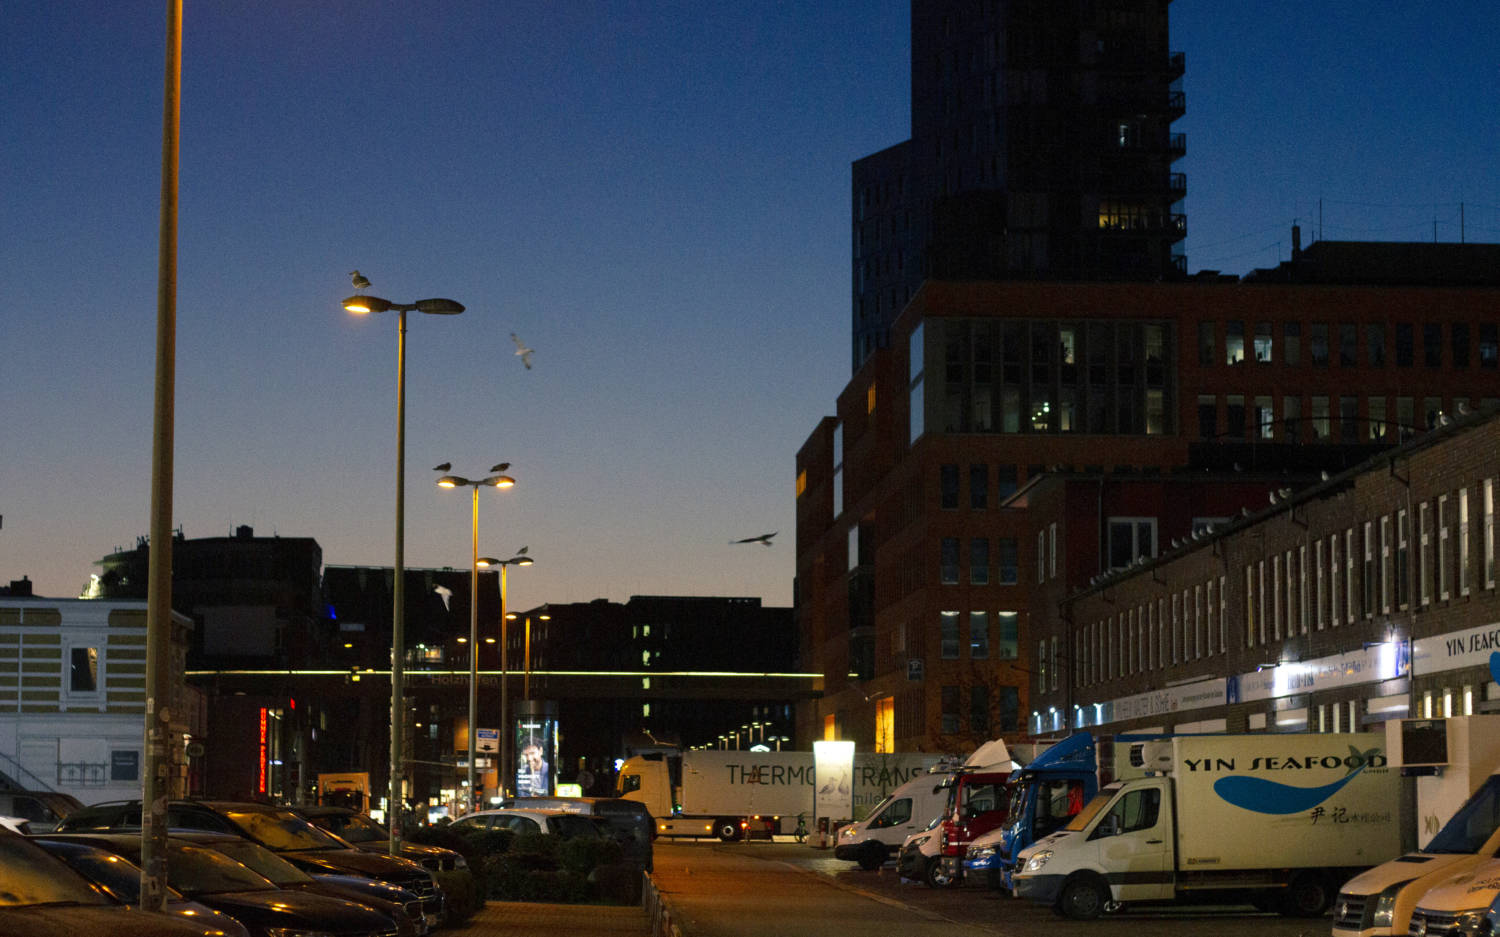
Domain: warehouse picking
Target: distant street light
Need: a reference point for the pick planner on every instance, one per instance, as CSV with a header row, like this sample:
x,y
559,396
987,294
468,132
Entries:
x,y
505,764
436,307
458,481
526,653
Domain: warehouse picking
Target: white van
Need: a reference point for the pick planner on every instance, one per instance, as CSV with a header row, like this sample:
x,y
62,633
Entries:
x,y
908,809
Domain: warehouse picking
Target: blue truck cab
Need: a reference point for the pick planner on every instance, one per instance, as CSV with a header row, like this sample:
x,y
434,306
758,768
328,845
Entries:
x,y
1045,794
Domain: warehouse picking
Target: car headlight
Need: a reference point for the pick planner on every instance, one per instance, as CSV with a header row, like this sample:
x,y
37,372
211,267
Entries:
x,y
1473,923
920,840
1385,905
981,852
1038,860
848,831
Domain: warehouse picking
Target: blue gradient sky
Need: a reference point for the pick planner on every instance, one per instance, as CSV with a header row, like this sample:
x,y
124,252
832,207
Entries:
x,y
654,195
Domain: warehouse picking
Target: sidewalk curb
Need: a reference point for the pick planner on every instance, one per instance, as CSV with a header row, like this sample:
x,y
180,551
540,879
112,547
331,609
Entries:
x,y
663,916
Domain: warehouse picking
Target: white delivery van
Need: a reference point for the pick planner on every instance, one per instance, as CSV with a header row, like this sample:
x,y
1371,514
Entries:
x,y
909,809
1468,904
1450,760
1276,820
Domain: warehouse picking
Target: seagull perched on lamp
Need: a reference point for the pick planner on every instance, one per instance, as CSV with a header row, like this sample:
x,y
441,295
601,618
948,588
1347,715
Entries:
x,y
359,280
764,539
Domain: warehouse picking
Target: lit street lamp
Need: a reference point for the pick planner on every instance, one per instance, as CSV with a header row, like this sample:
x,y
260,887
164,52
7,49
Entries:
x,y
435,307
495,480
505,764
526,653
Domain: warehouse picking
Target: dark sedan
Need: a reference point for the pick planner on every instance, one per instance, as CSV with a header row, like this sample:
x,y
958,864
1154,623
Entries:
x,y
42,897
400,904
211,878
361,832
120,879
279,829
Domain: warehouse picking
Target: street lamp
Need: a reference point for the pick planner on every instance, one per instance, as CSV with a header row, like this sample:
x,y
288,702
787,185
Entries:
x,y
494,480
526,653
505,764
434,307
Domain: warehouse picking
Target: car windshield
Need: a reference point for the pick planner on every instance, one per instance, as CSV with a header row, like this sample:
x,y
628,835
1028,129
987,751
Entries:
x,y
28,876
263,861
195,870
282,830
355,828
1082,818
1473,824
115,874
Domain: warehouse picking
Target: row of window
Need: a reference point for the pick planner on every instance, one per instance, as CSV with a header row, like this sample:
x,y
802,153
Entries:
x,y
1326,342
1003,644
1327,417
1186,626
1007,700
1292,593
1361,571
1006,571
1005,479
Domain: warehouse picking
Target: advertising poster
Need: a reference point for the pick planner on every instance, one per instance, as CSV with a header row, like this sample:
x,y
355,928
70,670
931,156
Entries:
x,y
536,755
833,779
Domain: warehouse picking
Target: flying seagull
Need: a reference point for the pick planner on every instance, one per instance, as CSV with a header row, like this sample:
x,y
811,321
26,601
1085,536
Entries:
x,y
522,350
446,593
442,466
359,280
764,539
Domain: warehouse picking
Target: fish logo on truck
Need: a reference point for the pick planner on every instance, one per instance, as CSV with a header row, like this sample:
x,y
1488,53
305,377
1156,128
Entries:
x,y
1266,796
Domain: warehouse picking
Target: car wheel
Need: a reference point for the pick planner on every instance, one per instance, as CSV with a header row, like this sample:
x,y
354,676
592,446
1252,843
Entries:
x,y
871,857
726,829
1082,899
1308,895
936,877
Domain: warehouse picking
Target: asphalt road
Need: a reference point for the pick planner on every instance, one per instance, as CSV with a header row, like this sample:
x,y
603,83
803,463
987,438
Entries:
x,y
762,889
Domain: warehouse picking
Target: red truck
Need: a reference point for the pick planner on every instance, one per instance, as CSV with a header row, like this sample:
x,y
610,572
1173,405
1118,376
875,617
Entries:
x,y
978,802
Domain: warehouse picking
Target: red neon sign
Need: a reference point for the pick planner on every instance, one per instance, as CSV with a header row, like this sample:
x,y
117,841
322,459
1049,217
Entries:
x,y
261,783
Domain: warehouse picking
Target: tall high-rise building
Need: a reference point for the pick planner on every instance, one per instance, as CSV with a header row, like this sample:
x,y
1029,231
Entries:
x,y
1041,148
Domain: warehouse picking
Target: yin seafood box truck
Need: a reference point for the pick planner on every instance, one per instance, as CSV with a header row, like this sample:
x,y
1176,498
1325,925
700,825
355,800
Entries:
x,y
1279,821
731,794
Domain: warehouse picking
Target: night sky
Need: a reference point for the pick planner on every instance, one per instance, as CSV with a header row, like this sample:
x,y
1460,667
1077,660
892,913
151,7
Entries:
x,y
653,195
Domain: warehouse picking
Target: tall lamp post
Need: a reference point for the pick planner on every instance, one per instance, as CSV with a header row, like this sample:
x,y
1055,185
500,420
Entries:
x,y
526,650
494,480
505,765
433,307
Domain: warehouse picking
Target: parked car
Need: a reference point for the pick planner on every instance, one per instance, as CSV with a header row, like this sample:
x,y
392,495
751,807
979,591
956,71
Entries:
x,y
212,878
279,829
42,897
120,879
41,809
563,823
921,854
361,832
402,905
630,823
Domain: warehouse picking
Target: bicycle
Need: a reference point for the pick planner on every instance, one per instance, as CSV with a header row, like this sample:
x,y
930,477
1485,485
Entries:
x,y
800,833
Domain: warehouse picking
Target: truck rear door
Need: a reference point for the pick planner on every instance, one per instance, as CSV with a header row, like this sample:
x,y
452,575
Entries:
x,y
1135,839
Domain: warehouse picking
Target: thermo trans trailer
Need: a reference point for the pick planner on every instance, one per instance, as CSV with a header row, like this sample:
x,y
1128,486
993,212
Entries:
x,y
731,794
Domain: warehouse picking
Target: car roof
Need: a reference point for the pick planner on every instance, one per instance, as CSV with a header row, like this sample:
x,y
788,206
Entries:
x,y
521,812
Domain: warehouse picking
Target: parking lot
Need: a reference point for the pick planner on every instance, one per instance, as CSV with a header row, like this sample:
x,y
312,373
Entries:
x,y
975,907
